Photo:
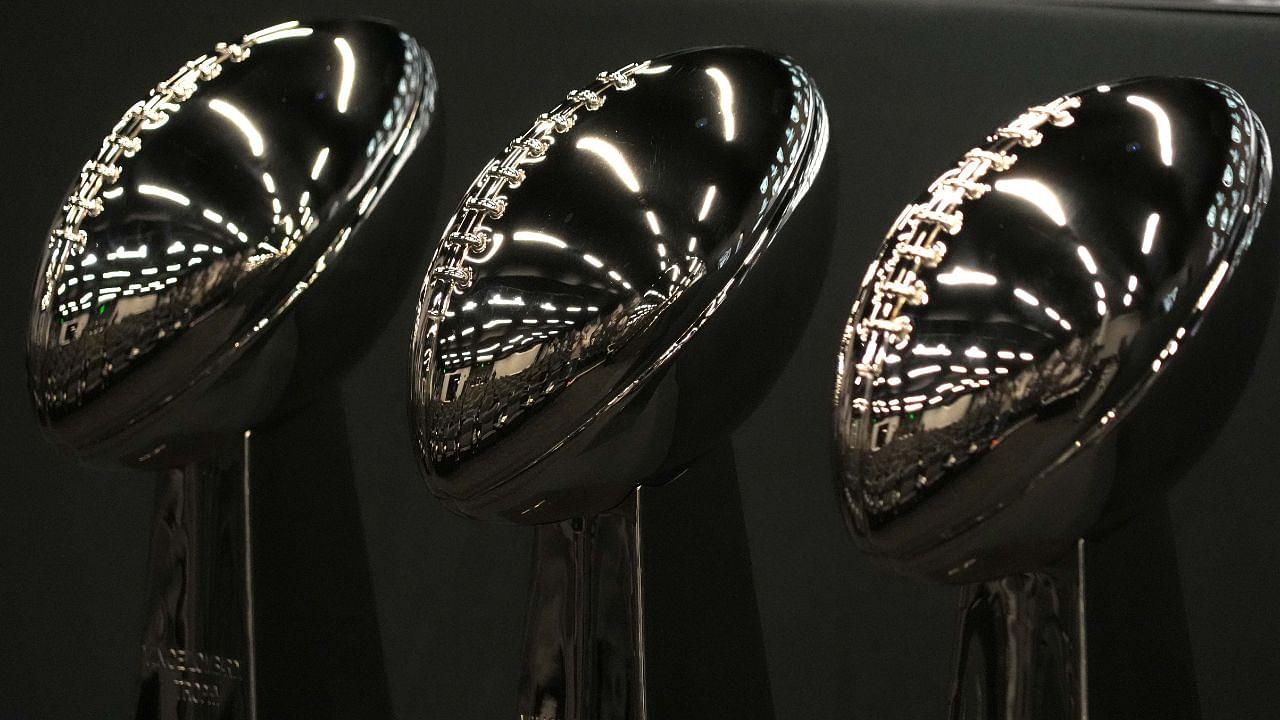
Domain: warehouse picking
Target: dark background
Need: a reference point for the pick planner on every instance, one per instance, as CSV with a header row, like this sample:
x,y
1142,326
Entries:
x,y
909,87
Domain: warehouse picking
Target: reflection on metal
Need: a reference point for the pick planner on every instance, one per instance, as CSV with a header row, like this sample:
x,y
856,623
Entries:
x,y
1019,653
348,73
167,269
617,162
611,297
125,141
467,233
982,439
241,123
916,230
178,252
1163,132
724,90
592,291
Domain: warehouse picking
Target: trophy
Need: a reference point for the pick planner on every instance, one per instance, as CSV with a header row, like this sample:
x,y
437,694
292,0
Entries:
x,y
614,294
206,278
1048,338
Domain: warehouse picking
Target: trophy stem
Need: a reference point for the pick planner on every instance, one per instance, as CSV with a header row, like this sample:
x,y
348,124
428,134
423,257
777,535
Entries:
x,y
648,610
197,647
1101,633
261,600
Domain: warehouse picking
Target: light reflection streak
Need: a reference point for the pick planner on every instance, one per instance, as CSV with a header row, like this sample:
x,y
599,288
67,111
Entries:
x,y
1164,132
1149,233
284,34
271,30
317,166
367,201
725,90
926,370
348,73
965,276
707,199
164,193
652,219
1219,273
1087,258
612,157
928,351
1036,193
242,123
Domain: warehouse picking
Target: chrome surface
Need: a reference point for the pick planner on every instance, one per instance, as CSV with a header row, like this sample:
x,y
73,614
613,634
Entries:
x,y
566,345
211,209
616,291
1083,335
209,272
1002,426
625,621
198,649
1101,632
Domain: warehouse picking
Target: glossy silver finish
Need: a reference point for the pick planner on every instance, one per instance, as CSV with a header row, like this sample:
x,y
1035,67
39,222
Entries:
x,y
1047,375
228,197
576,341
614,294
1100,632
985,439
208,272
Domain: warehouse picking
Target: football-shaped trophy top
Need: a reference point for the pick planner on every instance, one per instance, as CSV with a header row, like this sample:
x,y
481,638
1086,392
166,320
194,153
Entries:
x,y
612,294
1026,356
212,228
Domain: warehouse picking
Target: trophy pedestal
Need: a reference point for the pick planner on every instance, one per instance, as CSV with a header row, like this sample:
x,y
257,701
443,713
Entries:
x,y
648,610
1102,633
260,601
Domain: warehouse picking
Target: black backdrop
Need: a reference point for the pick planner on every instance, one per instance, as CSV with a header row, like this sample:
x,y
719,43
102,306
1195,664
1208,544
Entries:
x,y
908,88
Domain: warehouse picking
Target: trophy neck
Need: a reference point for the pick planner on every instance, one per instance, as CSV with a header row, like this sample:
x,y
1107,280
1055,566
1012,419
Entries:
x,y
1101,632
648,610
198,647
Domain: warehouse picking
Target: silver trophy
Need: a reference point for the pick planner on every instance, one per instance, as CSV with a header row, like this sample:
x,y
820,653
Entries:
x,y
208,276
1048,338
615,293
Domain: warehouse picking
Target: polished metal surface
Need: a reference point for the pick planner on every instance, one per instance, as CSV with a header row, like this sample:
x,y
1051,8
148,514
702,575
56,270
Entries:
x,y
590,322
198,649
987,402
200,235
209,270
1018,654
614,294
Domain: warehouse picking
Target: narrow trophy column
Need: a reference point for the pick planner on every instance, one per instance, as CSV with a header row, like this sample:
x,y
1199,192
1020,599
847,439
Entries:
x,y
648,610
1060,641
1021,645
583,653
197,647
